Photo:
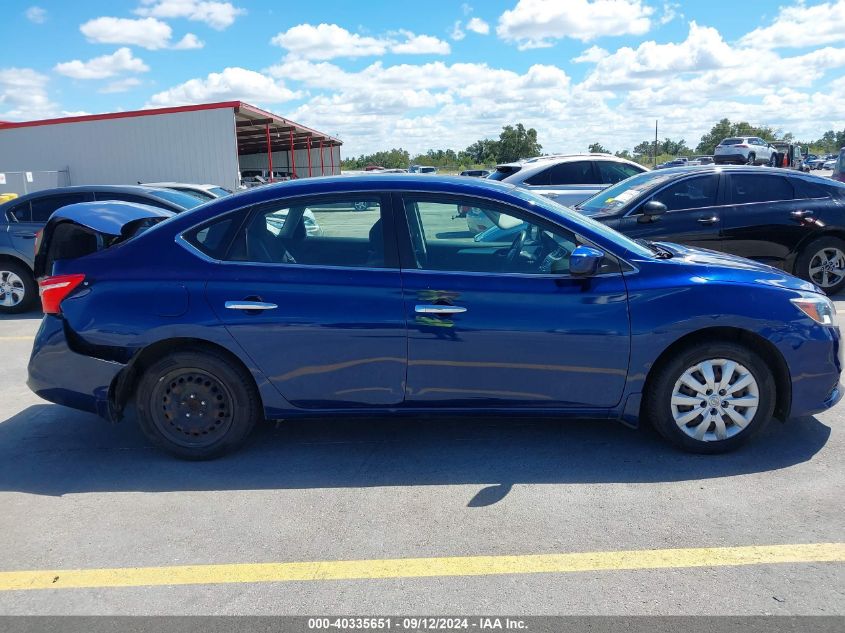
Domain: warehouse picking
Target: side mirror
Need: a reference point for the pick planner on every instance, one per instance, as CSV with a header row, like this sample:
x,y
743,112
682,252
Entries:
x,y
651,210
585,261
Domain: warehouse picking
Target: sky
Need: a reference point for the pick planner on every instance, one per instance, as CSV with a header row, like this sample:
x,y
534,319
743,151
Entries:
x,y
439,74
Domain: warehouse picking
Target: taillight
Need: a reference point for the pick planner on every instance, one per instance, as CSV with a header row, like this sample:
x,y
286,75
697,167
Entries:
x,y
743,146
38,235
55,289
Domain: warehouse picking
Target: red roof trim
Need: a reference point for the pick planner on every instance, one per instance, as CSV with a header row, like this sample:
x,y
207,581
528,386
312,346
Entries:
x,y
236,105
122,115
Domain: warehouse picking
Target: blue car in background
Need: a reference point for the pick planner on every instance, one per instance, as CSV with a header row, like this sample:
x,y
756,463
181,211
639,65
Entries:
x,y
218,318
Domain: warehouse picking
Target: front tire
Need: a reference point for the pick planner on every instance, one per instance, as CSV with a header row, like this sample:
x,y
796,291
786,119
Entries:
x,y
773,160
711,397
197,404
823,263
18,290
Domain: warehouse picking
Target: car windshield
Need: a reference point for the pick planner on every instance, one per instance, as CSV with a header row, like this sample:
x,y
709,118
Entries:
x,y
599,228
177,197
617,196
220,192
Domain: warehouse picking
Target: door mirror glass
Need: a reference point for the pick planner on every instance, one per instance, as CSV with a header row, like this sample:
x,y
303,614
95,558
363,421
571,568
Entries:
x,y
651,210
584,261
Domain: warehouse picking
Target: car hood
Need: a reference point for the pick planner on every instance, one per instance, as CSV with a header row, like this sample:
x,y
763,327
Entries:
x,y
723,267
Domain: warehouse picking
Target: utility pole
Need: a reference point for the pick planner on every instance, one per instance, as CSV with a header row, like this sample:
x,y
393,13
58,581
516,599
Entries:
x,y
655,144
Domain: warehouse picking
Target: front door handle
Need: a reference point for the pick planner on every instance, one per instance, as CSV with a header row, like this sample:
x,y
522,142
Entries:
x,y
800,215
425,308
250,305
710,220
27,236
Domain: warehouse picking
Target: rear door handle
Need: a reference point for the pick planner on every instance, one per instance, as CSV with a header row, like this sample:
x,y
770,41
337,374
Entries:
x,y
710,220
801,214
250,305
438,309
27,236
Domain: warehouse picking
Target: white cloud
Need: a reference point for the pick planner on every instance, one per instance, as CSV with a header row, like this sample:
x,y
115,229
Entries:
x,y
800,26
232,84
419,45
591,55
217,15
36,15
671,11
477,25
121,61
190,41
147,33
121,85
457,32
23,95
328,41
538,23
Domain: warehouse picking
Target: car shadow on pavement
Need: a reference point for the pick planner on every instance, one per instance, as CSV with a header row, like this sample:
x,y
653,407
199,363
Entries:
x,y
52,450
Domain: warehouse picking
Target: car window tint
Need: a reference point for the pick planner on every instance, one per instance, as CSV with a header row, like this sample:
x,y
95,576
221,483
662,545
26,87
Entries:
x,y
689,193
345,232
749,188
808,189
20,212
212,239
490,239
610,173
128,197
578,172
43,208
540,178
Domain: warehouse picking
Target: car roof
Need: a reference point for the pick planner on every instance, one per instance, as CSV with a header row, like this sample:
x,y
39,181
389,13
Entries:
x,y
544,161
189,185
133,189
705,169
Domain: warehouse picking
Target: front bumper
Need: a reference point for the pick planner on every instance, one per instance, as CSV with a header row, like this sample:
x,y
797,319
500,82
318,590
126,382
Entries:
x,y
815,364
61,375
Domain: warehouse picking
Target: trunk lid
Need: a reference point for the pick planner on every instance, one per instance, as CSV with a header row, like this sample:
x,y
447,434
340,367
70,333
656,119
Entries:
x,y
87,227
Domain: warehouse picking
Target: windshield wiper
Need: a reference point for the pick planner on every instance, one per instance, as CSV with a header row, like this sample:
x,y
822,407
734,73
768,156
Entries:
x,y
659,251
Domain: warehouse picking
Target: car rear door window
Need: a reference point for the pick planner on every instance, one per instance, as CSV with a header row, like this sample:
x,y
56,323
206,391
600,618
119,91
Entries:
x,y
19,212
43,208
129,197
751,188
689,193
610,173
348,232
808,189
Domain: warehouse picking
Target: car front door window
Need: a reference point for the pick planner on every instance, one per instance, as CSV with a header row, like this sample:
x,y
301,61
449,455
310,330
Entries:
x,y
690,193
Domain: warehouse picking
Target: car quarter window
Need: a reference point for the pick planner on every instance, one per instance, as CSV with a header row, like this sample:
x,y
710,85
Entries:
x,y
347,232
808,189
689,193
610,173
489,239
750,188
578,172
43,208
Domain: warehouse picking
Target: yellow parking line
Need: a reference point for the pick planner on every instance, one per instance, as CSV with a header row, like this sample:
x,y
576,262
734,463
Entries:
x,y
423,567
17,338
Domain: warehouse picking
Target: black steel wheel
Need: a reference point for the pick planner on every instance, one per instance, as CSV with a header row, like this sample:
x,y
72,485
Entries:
x,y
197,404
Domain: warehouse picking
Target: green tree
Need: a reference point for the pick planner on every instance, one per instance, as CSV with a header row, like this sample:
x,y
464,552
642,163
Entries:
x,y
644,149
725,128
517,142
483,152
598,148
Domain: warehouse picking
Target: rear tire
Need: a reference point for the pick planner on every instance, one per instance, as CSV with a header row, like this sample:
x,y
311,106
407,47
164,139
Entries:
x,y
752,159
197,404
822,262
773,160
18,290
721,420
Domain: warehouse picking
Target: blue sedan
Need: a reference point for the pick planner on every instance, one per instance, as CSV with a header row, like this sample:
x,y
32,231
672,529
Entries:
x,y
233,313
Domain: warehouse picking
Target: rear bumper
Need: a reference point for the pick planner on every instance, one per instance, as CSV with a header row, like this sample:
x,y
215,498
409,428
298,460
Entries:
x,y
720,159
60,375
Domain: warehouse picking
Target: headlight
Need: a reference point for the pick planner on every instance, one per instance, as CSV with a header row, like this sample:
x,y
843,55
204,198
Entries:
x,y
820,309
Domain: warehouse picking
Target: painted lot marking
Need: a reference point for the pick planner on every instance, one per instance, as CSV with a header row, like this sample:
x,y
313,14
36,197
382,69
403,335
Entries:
x,y
17,338
422,567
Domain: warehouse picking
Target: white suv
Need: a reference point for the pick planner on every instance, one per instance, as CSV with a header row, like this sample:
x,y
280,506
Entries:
x,y
745,150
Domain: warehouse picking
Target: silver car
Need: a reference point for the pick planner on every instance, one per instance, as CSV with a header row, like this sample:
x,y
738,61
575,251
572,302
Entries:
x,y
570,178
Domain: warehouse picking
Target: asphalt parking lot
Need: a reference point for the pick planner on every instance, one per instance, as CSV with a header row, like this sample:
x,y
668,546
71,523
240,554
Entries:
x,y
80,494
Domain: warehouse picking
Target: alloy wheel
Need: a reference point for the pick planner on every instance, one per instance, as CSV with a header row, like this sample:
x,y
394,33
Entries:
x,y
715,400
12,289
827,267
